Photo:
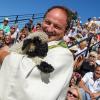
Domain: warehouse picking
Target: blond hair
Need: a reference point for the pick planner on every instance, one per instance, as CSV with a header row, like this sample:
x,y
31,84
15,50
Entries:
x,y
78,91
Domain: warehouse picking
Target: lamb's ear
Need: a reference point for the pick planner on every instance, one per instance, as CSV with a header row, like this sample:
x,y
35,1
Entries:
x,y
45,67
26,43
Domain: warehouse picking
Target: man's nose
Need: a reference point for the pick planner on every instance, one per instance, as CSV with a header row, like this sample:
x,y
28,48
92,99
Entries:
x,y
50,28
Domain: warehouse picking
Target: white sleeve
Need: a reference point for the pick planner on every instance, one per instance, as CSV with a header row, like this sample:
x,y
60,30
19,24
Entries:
x,y
62,61
86,77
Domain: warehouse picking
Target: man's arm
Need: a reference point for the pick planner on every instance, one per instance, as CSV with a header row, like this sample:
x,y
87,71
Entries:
x,y
3,54
82,85
95,95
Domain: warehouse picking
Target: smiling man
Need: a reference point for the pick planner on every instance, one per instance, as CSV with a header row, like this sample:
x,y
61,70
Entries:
x,y
13,83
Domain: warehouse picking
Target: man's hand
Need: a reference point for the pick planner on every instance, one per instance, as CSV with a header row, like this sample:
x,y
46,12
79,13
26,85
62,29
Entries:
x,y
94,95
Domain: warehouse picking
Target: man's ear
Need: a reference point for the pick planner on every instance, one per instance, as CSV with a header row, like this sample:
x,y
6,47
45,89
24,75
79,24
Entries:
x,y
26,43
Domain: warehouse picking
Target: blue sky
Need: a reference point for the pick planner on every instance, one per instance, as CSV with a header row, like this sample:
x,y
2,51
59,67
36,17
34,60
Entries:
x,y
85,8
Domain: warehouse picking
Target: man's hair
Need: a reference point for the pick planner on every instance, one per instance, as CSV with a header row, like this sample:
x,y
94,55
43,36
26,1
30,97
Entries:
x,y
96,67
67,11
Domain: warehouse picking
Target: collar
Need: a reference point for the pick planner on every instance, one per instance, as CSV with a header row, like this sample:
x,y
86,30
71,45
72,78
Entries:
x,y
54,42
59,43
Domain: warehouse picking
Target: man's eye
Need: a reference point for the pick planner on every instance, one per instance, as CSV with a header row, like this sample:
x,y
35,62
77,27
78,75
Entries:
x,y
47,22
57,27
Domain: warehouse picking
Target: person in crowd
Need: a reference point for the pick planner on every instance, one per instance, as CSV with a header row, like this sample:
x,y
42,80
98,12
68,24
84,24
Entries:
x,y
88,65
13,33
98,49
72,32
29,25
90,83
1,34
81,47
25,31
22,34
8,41
38,27
73,93
4,26
98,60
13,81
22,37
75,79
1,38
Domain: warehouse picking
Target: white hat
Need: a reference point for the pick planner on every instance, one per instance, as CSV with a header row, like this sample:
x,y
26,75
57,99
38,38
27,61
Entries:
x,y
7,19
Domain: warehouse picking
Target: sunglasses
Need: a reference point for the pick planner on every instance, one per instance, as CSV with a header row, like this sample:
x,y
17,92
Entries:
x,y
72,94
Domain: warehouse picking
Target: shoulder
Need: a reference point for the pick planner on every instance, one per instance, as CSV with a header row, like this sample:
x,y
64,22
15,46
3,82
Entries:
x,y
61,47
89,74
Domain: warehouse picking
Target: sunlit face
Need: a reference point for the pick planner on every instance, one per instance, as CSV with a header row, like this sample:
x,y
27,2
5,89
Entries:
x,y
92,59
54,24
5,22
72,94
12,30
1,33
7,39
97,72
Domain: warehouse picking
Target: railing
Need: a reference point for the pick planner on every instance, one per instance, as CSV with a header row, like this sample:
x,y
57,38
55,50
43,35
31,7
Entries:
x,y
89,46
22,19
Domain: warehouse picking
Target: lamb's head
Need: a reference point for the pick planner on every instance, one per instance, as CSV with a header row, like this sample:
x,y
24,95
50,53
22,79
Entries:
x,y
35,45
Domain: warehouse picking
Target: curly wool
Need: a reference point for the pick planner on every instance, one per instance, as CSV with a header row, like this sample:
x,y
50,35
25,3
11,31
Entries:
x,y
18,46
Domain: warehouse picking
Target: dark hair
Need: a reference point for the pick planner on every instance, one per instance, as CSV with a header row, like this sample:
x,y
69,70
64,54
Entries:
x,y
68,12
39,24
96,67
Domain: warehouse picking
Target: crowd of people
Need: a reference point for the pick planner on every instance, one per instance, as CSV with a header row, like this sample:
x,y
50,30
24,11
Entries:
x,y
74,52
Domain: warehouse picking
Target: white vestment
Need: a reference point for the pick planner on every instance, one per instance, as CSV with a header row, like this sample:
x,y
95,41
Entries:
x,y
20,79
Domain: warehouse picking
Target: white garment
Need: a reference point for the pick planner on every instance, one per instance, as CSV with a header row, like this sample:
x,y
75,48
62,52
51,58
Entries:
x,y
21,80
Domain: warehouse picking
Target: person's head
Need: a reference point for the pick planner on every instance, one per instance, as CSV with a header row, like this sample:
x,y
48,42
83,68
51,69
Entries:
x,y
98,50
98,57
82,45
1,34
5,21
92,57
22,37
73,94
38,27
7,40
12,29
31,20
55,22
97,72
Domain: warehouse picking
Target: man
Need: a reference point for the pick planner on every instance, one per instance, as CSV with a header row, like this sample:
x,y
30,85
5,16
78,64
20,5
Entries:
x,y
88,65
5,26
90,83
13,81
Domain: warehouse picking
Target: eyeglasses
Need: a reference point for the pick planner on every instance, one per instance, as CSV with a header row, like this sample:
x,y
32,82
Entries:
x,y
72,94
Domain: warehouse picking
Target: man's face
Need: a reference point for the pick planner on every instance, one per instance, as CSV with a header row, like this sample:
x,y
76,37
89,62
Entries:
x,y
54,24
1,33
92,59
97,72
12,30
5,22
